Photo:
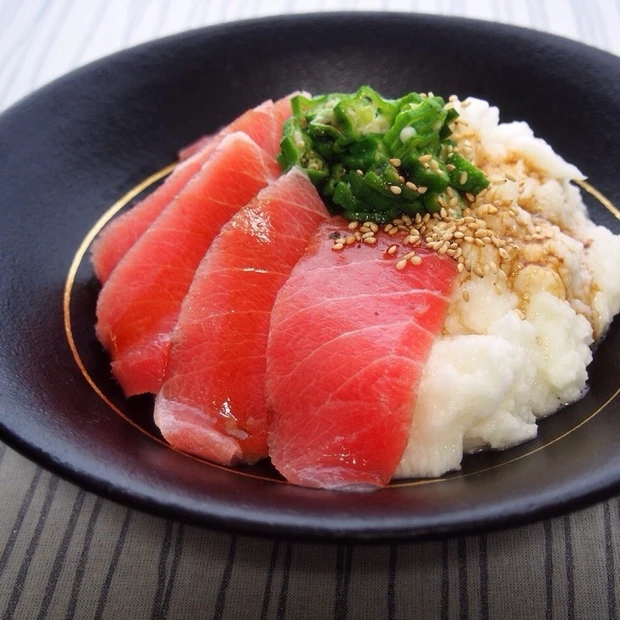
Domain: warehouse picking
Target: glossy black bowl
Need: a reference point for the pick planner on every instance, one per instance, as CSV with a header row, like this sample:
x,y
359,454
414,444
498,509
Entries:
x,y
71,150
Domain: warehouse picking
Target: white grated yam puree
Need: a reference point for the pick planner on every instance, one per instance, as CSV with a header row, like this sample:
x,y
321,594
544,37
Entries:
x,y
518,348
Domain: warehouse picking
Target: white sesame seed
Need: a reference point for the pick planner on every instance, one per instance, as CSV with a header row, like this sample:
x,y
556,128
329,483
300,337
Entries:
x,y
337,246
370,240
395,161
401,264
395,189
415,260
353,225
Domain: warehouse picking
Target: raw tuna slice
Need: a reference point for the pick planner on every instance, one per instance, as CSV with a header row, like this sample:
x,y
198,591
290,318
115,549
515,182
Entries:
x,y
263,124
349,338
283,107
213,401
282,110
193,148
139,305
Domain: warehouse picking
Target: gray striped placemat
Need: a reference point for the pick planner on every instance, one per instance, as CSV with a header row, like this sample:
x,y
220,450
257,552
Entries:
x,y
65,553
70,554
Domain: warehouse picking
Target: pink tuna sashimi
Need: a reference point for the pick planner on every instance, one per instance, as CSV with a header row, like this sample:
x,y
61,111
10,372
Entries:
x,y
283,112
263,124
139,305
191,149
213,400
283,106
350,335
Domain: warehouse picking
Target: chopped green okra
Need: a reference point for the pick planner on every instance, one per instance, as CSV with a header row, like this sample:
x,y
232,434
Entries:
x,y
374,158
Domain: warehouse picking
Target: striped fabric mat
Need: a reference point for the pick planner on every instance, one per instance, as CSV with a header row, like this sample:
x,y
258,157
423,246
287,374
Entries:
x,y
65,553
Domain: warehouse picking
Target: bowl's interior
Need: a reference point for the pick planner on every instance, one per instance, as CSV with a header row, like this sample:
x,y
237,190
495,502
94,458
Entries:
x,y
71,150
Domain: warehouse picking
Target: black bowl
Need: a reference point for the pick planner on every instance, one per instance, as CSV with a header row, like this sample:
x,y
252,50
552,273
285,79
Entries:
x,y
71,150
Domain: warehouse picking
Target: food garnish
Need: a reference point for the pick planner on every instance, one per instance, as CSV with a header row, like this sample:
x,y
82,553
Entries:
x,y
374,159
